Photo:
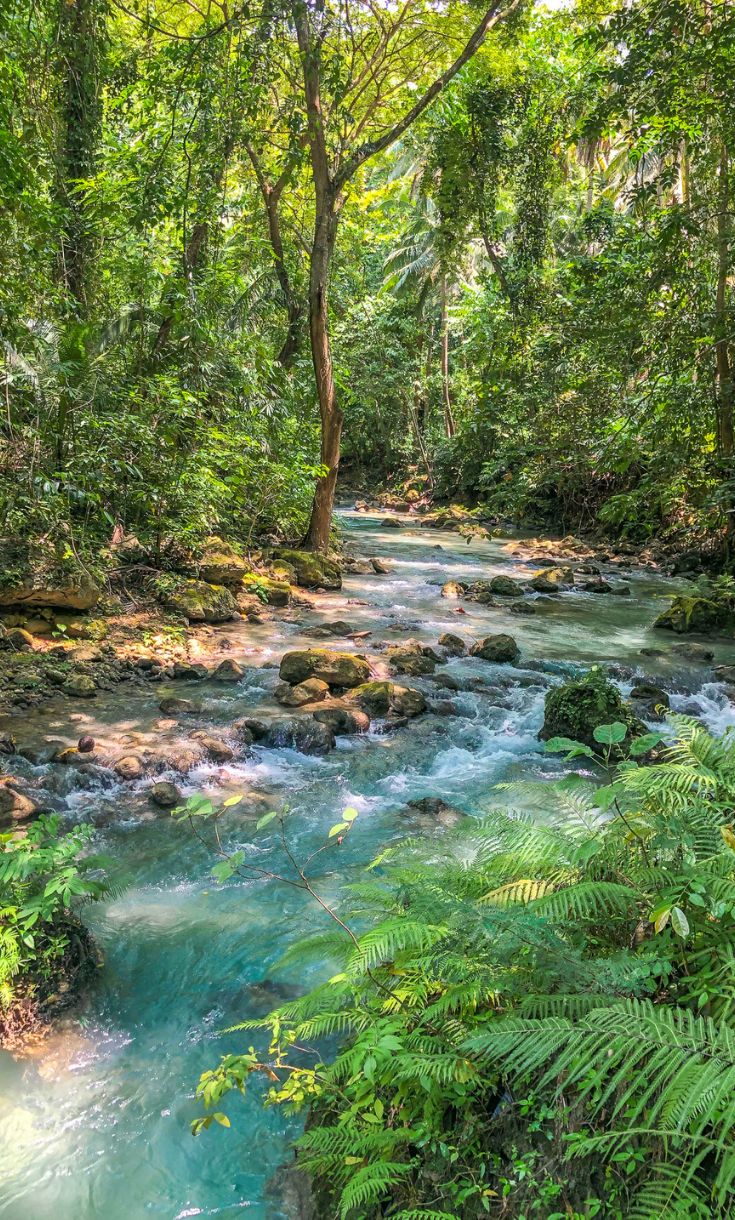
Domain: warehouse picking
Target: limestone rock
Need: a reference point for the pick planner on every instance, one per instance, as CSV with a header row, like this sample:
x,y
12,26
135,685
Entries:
x,y
453,590
44,573
500,648
178,707
302,733
553,580
129,768
15,805
217,749
220,563
697,614
342,720
505,586
228,671
311,691
79,686
198,601
454,644
189,672
164,794
340,669
312,571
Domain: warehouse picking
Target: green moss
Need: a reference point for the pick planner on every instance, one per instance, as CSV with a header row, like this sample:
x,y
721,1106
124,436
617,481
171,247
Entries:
x,y
576,708
312,571
697,614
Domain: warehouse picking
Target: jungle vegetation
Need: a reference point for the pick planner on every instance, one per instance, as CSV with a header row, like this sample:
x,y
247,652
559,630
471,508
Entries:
x,y
241,243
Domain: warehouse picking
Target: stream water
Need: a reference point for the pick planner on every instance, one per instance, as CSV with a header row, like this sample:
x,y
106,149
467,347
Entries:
x,y
95,1125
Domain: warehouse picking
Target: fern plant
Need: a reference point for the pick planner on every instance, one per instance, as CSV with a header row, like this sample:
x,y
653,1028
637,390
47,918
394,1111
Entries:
x,y
538,1017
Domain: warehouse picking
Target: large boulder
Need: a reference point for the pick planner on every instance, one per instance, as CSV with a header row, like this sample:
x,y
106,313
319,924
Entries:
x,y
15,805
340,669
198,601
411,658
697,614
553,580
312,571
42,573
576,708
220,564
313,690
500,648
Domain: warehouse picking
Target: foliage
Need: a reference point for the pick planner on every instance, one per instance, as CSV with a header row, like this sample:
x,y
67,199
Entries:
x,y
42,875
538,1015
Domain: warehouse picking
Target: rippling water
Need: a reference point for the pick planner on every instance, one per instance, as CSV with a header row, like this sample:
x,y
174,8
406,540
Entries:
x,y
96,1124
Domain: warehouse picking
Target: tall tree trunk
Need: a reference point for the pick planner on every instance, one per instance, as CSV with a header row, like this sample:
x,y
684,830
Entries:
x,y
725,395
271,193
325,234
80,41
446,393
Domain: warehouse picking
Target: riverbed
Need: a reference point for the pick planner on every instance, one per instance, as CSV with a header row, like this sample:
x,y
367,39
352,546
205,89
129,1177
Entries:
x,y
94,1125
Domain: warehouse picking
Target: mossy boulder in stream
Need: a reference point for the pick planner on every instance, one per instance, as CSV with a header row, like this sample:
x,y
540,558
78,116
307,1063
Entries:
x,y
702,615
269,590
198,601
220,563
576,708
312,571
383,698
340,669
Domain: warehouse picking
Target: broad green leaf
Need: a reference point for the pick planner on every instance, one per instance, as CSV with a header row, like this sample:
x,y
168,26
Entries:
x,y
337,829
350,814
565,745
641,745
232,800
266,819
679,922
610,734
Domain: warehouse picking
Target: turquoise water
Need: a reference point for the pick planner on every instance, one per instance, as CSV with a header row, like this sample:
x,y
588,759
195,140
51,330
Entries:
x,y
95,1125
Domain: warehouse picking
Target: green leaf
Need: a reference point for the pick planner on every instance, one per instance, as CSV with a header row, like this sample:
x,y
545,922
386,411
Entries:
x,y
232,800
679,922
266,819
337,829
565,745
350,814
641,745
610,734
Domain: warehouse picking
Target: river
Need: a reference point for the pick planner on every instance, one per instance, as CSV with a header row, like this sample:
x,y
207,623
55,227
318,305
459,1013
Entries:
x,y
95,1125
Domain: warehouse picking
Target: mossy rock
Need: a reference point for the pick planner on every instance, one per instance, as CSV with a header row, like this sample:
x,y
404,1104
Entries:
x,y
44,573
576,708
381,698
312,571
505,586
220,563
198,601
697,614
340,669
553,580
269,590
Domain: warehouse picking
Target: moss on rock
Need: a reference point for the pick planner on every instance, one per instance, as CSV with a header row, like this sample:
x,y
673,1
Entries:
x,y
312,571
576,708
340,669
697,614
196,600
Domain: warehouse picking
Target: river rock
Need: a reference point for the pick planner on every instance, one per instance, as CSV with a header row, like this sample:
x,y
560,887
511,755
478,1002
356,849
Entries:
x,y
79,686
181,758
310,691
129,768
501,648
342,720
189,672
267,589
339,627
505,586
8,744
172,706
381,567
620,590
305,734
433,811
648,698
217,749
596,586
480,591
453,590
228,671
453,644
340,669
553,580
446,681
382,698
696,614
312,571
198,601
411,658
15,805
164,794
575,709
522,608
391,523
699,654
724,673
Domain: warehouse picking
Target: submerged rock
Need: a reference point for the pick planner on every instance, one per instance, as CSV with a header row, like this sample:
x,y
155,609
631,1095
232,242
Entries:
x,y
189,672
79,686
697,614
500,648
340,669
523,608
164,794
454,644
342,720
648,698
181,707
411,658
129,768
576,708
217,749
434,811
339,627
453,590
302,733
699,654
312,571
